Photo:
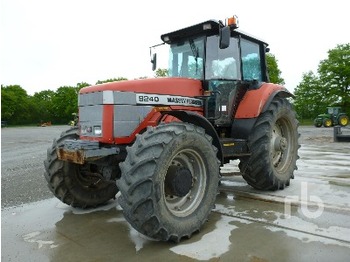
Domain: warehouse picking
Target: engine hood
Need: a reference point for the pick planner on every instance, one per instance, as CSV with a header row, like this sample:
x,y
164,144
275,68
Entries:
x,y
166,86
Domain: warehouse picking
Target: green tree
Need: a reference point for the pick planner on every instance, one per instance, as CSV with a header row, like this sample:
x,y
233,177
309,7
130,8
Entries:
x,y
335,76
161,72
44,106
15,105
65,103
309,99
82,85
273,69
329,87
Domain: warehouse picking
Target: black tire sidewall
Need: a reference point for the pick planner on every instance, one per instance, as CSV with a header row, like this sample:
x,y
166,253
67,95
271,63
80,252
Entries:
x,y
62,178
287,115
204,148
258,169
142,182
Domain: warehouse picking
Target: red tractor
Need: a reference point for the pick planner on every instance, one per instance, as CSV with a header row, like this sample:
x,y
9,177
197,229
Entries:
x,y
160,142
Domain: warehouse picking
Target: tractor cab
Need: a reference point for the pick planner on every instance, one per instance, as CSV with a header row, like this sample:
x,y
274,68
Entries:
x,y
227,61
333,110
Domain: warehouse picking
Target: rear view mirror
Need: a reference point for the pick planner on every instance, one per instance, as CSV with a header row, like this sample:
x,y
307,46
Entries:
x,y
225,34
154,61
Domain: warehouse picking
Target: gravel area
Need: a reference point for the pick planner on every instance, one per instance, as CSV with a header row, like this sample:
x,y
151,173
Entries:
x,y
23,151
311,134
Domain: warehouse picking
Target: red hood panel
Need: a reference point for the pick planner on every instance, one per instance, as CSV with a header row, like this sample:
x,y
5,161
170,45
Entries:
x,y
166,86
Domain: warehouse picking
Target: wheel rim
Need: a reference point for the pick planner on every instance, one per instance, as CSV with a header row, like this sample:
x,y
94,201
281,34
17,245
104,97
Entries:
x,y
343,121
194,163
282,142
327,123
90,179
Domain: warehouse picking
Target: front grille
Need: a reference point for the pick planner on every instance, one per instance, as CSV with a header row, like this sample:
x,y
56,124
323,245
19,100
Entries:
x,y
127,116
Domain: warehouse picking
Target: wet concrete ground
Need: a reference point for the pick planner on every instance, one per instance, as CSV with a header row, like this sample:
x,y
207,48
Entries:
x,y
308,221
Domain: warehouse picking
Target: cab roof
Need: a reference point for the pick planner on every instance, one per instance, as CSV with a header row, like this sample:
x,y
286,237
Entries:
x,y
210,27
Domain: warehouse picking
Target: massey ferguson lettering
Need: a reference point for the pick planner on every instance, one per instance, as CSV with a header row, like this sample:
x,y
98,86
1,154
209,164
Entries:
x,y
187,101
151,99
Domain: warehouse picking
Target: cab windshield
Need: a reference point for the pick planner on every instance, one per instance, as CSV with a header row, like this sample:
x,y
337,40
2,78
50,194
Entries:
x,y
186,58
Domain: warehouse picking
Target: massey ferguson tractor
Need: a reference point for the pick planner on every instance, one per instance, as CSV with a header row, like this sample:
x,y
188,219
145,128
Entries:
x,y
160,142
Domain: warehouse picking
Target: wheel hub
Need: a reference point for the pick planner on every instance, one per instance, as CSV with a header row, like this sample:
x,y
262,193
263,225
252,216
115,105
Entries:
x,y
178,181
280,143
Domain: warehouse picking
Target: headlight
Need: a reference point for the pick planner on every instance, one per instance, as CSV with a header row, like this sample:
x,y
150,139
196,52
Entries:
x,y
91,131
85,130
97,130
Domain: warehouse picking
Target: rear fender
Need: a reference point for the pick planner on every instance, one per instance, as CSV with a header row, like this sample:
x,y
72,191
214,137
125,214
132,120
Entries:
x,y
252,105
257,101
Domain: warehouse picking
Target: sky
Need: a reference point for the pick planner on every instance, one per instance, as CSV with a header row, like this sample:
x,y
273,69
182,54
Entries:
x,y
45,44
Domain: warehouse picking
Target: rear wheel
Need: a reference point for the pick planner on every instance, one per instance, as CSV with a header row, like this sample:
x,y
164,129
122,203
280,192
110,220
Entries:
x,y
81,186
274,148
343,120
327,122
169,181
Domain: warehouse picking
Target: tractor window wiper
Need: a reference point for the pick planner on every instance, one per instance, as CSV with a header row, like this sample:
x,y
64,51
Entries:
x,y
194,49
195,52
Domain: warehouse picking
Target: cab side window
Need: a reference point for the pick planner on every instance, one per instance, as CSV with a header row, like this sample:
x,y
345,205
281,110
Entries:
x,y
222,63
251,62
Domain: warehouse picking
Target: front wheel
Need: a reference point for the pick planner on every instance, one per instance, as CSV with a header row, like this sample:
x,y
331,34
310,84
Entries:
x,y
327,122
82,186
273,143
169,181
317,123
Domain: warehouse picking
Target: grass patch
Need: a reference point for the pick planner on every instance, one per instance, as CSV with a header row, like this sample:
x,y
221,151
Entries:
x,y
306,122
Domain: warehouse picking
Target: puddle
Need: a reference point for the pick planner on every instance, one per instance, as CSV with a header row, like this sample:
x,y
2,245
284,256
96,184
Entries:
x,y
211,245
34,238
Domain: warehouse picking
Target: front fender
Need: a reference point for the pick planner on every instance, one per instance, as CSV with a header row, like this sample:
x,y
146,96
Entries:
x,y
257,101
198,120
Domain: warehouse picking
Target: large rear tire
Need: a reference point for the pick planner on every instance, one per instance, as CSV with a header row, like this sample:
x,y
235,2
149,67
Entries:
x,y
80,186
169,181
343,120
274,148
